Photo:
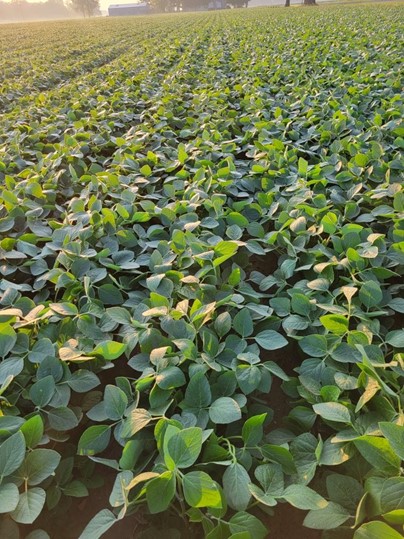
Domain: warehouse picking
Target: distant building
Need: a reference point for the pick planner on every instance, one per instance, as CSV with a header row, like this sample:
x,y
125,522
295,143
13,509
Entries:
x,y
120,10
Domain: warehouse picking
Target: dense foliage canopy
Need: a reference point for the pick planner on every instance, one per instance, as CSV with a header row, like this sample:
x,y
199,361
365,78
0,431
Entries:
x,y
202,239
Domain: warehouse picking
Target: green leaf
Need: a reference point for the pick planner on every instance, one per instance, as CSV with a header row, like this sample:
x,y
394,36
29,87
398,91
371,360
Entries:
x,y
146,170
332,516
29,506
263,497
200,490
270,477
76,489
244,522
275,369
42,391
248,378
335,323
224,410
98,525
329,222
41,349
223,251
370,294
333,411
8,338
38,465
94,440
395,517
280,455
395,436
160,492
303,497
110,295
119,493
137,420
32,430
243,323
302,166
203,314
109,350
361,159
119,315
8,423
395,338
271,340
235,218
9,497
145,476
252,431
223,324
314,345
392,494
300,304
305,449
376,530
235,484
330,393
170,378
62,418
12,453
82,381
379,453
182,154
138,217
183,448
344,490
397,304
198,393
333,454
235,275
359,508
64,309
115,402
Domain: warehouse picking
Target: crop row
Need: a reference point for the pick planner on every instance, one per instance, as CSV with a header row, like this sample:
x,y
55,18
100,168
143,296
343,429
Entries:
x,y
71,56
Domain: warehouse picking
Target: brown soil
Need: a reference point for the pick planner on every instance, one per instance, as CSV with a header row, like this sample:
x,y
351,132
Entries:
x,y
266,264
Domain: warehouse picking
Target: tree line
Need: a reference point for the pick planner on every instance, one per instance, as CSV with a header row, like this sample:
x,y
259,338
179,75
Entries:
x,y
59,9
194,5
22,10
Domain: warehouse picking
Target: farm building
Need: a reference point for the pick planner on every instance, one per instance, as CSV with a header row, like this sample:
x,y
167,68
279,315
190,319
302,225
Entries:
x,y
119,10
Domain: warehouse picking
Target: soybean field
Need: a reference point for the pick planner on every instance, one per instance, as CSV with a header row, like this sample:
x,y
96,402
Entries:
x,y
201,275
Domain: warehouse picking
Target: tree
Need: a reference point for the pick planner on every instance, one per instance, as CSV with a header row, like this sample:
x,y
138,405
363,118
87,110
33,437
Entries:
x,y
165,5
287,3
237,3
86,7
194,5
